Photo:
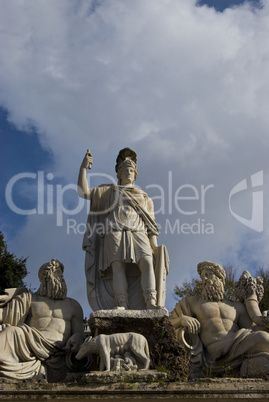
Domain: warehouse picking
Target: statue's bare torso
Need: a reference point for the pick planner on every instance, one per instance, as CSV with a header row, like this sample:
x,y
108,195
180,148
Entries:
x,y
227,335
219,321
54,318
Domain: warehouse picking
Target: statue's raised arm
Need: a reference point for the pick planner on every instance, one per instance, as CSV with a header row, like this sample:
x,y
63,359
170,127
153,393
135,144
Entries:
x,y
83,188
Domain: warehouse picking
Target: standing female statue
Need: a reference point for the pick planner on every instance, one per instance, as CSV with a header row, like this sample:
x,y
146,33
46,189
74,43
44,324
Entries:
x,y
121,240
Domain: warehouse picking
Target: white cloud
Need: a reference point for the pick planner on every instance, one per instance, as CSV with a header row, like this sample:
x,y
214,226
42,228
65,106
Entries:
x,y
186,86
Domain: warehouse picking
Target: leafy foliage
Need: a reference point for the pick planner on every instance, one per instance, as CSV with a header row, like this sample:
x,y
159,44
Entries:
x,y
195,286
12,269
264,273
230,282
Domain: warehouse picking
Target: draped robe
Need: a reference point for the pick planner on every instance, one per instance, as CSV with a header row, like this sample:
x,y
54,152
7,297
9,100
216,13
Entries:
x,y
120,222
22,348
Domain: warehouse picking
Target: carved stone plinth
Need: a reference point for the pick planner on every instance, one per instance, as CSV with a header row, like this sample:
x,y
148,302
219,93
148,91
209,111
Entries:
x,y
111,377
165,352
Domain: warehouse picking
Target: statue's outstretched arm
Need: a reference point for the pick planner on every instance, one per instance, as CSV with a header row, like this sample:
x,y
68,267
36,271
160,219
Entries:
x,y
83,189
191,323
254,312
77,336
250,291
180,319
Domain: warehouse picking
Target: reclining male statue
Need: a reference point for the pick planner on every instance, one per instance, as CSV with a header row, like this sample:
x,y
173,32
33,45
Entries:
x,y
37,330
219,334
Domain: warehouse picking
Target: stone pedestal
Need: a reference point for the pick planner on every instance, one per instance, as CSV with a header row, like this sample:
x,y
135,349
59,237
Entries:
x,y
166,353
112,377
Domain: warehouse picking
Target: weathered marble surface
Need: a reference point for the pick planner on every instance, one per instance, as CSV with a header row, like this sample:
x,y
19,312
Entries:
x,y
156,313
124,265
139,385
118,352
40,330
165,351
250,292
222,336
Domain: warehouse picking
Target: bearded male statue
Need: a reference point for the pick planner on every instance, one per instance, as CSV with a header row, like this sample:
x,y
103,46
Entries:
x,y
38,329
221,335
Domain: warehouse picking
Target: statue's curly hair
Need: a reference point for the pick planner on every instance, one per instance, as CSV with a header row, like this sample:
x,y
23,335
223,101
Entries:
x,y
213,266
46,268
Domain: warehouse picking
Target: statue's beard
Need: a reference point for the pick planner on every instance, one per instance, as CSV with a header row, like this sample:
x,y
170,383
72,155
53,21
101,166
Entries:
x,y
213,290
54,288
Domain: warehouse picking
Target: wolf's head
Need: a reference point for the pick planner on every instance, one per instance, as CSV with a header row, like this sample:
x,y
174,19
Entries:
x,y
87,348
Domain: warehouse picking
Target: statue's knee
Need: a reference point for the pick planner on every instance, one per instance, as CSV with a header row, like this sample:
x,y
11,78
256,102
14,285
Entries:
x,y
146,264
264,337
118,267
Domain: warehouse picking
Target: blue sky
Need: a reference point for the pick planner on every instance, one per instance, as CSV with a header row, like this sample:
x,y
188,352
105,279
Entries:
x,y
184,85
221,5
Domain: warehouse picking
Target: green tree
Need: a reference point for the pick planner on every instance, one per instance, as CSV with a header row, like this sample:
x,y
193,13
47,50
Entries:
x,y
12,269
195,286
264,273
230,282
192,288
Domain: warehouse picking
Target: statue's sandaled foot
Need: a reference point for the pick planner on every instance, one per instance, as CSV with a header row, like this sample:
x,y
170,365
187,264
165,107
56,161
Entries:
x,y
120,308
122,301
152,306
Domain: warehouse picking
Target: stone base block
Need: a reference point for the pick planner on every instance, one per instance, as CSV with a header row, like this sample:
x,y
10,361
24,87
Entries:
x,y
225,389
110,377
166,353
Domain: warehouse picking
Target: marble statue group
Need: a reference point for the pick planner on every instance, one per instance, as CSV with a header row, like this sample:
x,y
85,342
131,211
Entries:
x,y
42,332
